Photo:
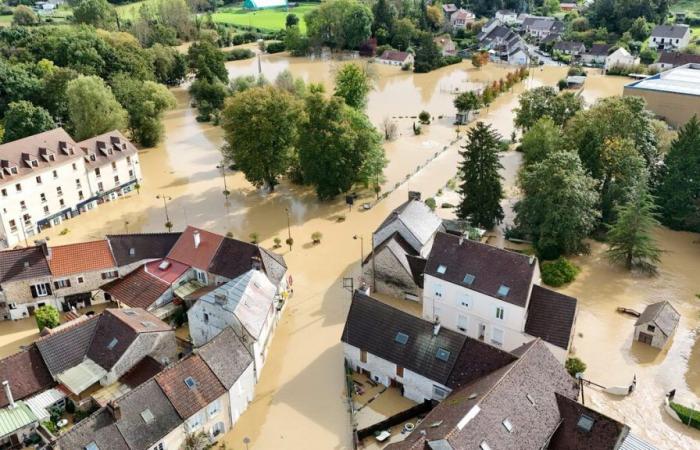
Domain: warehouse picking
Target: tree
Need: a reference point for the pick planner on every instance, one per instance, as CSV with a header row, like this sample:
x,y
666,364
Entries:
x,y
640,29
209,97
291,20
16,83
197,441
540,141
24,16
481,188
384,19
559,206
260,129
574,365
480,59
207,62
92,108
46,317
53,92
145,102
404,33
433,14
622,166
648,56
24,119
176,14
629,238
467,102
679,190
295,42
353,83
544,101
549,7
169,65
339,23
98,13
428,56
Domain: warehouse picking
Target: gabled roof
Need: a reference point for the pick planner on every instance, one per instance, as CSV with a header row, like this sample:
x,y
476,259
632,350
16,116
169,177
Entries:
x,y
599,49
107,147
166,270
143,371
131,248
491,267
27,374
138,289
550,316
68,347
201,256
677,31
204,387
81,257
23,263
569,46
678,59
418,219
234,258
99,429
662,314
226,356
374,326
417,266
394,55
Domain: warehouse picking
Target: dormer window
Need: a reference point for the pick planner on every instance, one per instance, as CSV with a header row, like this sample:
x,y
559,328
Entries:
x,y
13,170
441,269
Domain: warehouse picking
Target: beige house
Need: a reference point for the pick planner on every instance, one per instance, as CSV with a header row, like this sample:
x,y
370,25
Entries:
x,y
657,324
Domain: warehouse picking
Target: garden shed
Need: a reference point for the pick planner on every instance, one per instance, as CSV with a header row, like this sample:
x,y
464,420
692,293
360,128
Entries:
x,y
656,324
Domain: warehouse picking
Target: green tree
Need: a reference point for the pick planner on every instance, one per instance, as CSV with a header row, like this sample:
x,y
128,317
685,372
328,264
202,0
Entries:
x,y
640,29
209,97
428,55
679,190
92,108
353,83
622,167
404,33
549,7
292,20
197,441
648,56
24,119
145,102
384,19
481,189
541,140
169,65
16,83
46,317
545,101
53,92
98,13
339,24
629,238
176,14
559,206
24,16
295,42
207,62
434,16
574,365
467,101
260,129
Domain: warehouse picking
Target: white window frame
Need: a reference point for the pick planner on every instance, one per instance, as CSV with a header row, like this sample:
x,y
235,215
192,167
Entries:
x,y
465,300
195,422
462,320
439,393
500,312
214,408
201,276
41,290
439,290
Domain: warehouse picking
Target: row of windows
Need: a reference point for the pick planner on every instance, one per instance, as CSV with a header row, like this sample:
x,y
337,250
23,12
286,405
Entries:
x,y
465,301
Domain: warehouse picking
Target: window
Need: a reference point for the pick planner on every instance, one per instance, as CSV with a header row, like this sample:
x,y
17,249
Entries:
x,y
497,337
206,318
651,328
190,382
114,165
503,290
462,323
42,196
81,280
61,203
46,209
484,446
113,343
441,269
158,446
59,191
214,408
585,423
4,192
363,356
147,416
92,446
465,300
109,275
18,186
75,166
401,338
201,276
40,290
131,173
100,187
116,179
13,226
469,279
23,205
59,284
97,173
55,174
195,422
439,393
80,195
38,180
507,425
442,354
128,159
217,429
439,290
499,313
530,399
77,183
399,371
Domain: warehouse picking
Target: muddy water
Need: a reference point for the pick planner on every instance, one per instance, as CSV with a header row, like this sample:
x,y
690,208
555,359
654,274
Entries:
x,y
299,401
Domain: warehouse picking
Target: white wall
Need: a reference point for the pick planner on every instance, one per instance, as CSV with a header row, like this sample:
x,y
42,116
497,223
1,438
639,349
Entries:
x,y
241,393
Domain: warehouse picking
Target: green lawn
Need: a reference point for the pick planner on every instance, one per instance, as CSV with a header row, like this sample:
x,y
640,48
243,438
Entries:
x,y
131,10
268,19
691,7
5,21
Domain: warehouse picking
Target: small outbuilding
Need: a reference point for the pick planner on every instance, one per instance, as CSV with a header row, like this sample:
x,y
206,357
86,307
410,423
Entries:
x,y
656,324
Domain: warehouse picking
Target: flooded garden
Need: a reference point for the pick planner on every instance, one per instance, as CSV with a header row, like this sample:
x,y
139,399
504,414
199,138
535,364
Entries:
x,y
300,400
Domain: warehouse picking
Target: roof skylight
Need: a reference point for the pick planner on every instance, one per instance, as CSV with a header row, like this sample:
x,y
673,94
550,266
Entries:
x,y
147,416
442,354
469,279
190,382
441,268
503,290
507,425
113,343
401,338
585,423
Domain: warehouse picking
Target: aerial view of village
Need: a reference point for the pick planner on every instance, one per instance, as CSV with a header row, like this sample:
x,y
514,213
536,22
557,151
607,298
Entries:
x,y
350,224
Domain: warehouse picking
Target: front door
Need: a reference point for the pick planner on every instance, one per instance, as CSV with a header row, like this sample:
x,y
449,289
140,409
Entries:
x,y
482,331
30,310
646,338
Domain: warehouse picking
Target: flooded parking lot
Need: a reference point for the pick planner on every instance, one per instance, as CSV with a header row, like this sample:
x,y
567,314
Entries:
x,y
300,400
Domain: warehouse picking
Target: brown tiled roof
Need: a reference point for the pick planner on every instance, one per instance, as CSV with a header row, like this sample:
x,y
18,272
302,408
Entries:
x,y
201,257
678,59
27,374
23,263
115,146
68,347
393,55
137,289
81,257
606,433
550,316
490,266
131,248
139,320
234,258
143,370
14,153
188,401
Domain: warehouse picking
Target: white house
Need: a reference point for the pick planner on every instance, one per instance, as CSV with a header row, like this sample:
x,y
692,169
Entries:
x,y
670,37
507,16
656,324
395,58
620,58
493,295
248,303
518,56
461,18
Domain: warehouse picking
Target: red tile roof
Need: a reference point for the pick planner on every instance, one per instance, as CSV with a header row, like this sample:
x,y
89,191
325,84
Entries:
x,y
199,257
81,257
137,290
169,274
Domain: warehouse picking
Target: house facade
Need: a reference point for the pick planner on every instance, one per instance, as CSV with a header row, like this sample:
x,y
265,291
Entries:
x,y
572,48
657,324
620,58
395,58
506,16
461,19
669,60
670,37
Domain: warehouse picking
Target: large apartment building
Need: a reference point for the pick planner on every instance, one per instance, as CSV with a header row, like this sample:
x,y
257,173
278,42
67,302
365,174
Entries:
x,y
48,178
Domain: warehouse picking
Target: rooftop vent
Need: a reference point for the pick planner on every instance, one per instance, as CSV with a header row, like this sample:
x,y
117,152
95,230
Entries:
x,y
585,423
92,446
147,416
132,251
401,338
507,425
484,446
530,399
164,265
129,312
190,382
442,354
113,343
442,269
220,298
469,279
503,291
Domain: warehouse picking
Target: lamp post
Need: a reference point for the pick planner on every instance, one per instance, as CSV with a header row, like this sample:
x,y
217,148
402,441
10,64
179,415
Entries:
x,y
222,166
290,241
362,249
165,199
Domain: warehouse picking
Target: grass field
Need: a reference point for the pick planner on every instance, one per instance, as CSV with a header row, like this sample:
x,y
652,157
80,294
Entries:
x,y
691,7
268,19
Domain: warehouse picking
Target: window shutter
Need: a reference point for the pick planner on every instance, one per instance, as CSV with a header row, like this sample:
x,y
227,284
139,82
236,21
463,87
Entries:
x,y
55,285
48,288
68,283
33,288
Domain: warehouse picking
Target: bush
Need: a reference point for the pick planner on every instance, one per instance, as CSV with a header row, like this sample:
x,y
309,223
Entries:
x,y
275,47
576,71
430,202
447,205
449,60
316,237
239,53
46,317
70,406
689,416
278,242
424,117
562,84
50,426
574,365
558,272
254,238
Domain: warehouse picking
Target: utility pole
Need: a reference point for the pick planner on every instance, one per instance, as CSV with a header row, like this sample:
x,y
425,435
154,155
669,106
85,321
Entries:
x,y
165,198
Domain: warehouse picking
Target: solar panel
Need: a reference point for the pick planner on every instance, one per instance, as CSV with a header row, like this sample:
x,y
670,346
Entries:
x,y
442,354
469,279
401,338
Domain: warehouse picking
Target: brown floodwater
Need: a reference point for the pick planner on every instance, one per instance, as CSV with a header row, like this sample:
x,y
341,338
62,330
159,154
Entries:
x,y
300,401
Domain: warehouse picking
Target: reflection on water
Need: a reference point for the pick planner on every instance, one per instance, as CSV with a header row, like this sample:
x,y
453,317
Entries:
x,y
299,401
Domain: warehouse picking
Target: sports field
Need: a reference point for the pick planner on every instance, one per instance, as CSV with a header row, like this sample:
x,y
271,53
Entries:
x,y
267,19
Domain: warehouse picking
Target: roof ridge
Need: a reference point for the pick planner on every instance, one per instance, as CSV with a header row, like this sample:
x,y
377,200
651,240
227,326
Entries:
x,y
69,327
81,243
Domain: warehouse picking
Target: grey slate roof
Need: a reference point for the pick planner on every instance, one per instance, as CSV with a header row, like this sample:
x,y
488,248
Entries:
x,y
421,222
551,316
99,428
68,347
144,245
226,356
599,49
132,426
373,326
234,258
109,327
23,263
491,267
26,373
662,314
670,31
678,59
570,46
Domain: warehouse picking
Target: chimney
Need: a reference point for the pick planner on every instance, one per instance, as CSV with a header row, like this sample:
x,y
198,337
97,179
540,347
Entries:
x,y
255,263
45,248
364,288
8,393
115,410
414,195
197,239
436,326
461,239
532,260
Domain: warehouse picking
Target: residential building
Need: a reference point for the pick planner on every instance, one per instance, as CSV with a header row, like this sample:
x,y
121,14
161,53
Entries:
x,y
620,58
518,56
656,325
596,55
395,58
248,303
673,95
669,60
461,19
446,44
449,9
48,178
131,251
506,16
567,7
572,48
25,282
17,423
540,27
503,43
26,375
494,295
670,37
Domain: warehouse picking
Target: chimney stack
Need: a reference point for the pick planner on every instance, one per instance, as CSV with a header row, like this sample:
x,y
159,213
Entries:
x,y
45,248
197,239
532,260
255,263
114,409
436,326
414,195
8,394
461,239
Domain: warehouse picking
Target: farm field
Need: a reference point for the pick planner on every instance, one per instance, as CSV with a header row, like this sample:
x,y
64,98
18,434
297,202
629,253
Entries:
x,y
691,7
268,19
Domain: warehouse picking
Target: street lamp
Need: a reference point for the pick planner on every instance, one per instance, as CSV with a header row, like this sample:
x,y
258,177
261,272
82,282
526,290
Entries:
x,y
362,249
222,166
290,241
168,223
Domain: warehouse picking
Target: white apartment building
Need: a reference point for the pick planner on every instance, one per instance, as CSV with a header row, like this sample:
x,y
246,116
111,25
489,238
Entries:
x,y
48,178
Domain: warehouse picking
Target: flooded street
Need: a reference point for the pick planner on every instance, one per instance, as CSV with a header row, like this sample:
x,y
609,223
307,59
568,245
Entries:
x,y
300,401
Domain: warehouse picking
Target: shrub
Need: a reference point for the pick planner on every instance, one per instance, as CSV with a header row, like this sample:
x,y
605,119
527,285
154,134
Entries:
x,y
316,237
576,71
431,203
447,205
254,238
558,272
689,416
275,47
562,84
278,242
449,60
50,426
574,365
46,317
239,53
70,406
424,117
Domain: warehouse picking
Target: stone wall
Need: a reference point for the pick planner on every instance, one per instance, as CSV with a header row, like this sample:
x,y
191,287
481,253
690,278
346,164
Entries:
x,y
391,279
